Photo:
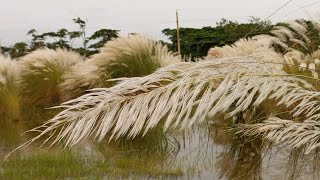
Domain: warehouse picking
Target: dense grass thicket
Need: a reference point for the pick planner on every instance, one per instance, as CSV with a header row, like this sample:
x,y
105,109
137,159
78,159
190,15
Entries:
x,y
131,56
9,88
239,80
47,77
265,88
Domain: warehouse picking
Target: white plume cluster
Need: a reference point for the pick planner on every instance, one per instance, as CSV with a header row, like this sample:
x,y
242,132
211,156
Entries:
x,y
288,36
42,72
246,47
130,56
287,132
178,96
231,80
9,94
9,71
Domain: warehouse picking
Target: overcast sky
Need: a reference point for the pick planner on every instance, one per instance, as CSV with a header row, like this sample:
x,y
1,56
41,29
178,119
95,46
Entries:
x,y
148,17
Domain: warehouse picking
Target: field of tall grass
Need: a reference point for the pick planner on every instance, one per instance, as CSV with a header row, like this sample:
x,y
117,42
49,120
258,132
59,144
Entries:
x,y
265,88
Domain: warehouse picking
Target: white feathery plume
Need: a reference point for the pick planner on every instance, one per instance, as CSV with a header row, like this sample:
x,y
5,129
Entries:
x,y
130,56
9,91
303,66
287,37
315,54
298,26
42,72
286,132
312,66
178,96
270,40
9,71
282,31
246,47
294,56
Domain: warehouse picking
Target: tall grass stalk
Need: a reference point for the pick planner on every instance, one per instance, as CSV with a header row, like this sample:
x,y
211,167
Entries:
x,y
131,56
42,72
233,79
9,91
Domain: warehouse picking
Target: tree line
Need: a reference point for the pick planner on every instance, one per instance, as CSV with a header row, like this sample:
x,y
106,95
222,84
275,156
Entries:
x,y
195,42
63,38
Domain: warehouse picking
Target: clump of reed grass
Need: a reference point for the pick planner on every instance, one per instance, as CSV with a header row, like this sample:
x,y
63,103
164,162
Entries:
x,y
131,56
179,96
184,94
246,47
9,91
41,73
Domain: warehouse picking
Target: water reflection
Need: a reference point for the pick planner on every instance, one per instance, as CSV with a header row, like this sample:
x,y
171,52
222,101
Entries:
x,y
204,152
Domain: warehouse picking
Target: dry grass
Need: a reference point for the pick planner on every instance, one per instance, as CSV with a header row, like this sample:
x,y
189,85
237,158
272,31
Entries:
x,y
42,72
233,79
131,56
9,93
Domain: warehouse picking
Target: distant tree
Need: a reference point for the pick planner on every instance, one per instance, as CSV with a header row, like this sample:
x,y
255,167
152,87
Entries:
x,y
64,38
100,37
4,50
19,49
37,41
196,42
81,34
60,39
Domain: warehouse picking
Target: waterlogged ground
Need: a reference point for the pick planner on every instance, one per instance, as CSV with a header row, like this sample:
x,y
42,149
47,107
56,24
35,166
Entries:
x,y
206,152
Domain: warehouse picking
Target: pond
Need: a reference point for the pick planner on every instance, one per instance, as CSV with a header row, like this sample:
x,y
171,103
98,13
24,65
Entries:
x,y
209,151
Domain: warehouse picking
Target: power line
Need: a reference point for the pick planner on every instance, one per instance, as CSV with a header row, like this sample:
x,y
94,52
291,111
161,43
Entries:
x,y
317,2
270,16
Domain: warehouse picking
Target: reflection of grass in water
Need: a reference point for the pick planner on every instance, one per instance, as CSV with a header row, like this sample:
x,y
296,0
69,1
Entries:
x,y
242,156
67,164
156,141
149,154
140,157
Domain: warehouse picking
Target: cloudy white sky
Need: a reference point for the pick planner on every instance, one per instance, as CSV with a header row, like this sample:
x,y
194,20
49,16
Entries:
x,y
148,17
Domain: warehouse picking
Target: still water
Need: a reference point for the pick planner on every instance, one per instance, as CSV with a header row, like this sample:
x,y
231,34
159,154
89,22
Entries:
x,y
203,152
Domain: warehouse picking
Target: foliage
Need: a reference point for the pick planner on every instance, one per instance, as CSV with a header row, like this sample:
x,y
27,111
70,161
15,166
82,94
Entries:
x,y
63,38
19,49
197,42
102,37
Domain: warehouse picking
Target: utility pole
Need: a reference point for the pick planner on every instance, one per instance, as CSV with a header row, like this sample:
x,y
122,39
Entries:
x,y
178,33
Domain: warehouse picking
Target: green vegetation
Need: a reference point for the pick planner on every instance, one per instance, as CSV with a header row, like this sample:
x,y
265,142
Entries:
x,y
264,89
68,164
63,38
196,42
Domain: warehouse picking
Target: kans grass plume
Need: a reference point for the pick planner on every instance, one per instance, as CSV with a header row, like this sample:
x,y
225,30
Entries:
x,y
42,72
177,96
231,80
131,56
9,91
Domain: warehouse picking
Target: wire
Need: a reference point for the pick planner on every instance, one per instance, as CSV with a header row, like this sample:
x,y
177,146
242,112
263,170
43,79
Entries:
x,y
300,9
269,17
